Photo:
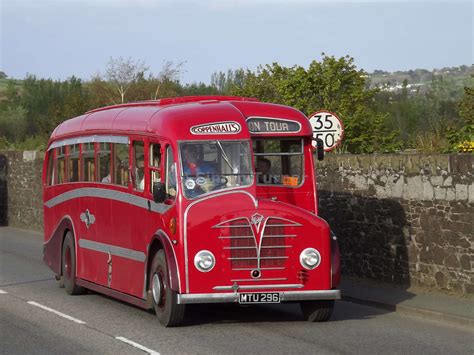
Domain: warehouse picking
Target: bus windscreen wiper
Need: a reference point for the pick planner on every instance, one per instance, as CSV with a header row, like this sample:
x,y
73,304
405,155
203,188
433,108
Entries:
x,y
226,158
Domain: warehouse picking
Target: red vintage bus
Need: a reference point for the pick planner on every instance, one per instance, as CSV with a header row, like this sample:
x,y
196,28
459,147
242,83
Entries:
x,y
189,200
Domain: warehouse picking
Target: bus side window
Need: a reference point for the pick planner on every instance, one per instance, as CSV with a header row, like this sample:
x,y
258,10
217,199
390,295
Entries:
x,y
154,164
103,162
138,165
73,163
121,164
61,165
50,176
170,174
88,162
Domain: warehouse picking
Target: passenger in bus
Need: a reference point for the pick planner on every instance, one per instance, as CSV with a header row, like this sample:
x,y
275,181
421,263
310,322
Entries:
x,y
140,172
105,173
155,174
107,179
192,165
263,171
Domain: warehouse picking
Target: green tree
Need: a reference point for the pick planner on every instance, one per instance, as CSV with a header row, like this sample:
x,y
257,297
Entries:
x,y
226,83
334,84
462,137
13,124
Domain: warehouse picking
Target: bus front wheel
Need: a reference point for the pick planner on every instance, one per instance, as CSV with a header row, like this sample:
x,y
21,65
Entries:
x,y
317,311
165,300
68,267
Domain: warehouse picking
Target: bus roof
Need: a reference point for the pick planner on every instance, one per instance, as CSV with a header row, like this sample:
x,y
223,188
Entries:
x,y
175,117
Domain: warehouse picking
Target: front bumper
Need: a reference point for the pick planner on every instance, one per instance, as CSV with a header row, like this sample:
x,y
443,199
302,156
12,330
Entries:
x,y
234,297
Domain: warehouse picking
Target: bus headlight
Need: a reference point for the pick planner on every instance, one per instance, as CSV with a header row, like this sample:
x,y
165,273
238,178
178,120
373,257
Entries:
x,y
204,261
310,258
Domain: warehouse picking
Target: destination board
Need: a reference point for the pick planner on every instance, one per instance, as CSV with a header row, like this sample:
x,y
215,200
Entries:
x,y
261,125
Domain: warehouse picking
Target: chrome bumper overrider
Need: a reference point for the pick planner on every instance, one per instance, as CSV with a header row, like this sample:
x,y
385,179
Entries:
x,y
234,297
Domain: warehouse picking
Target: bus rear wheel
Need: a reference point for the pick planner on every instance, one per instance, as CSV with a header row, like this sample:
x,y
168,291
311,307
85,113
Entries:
x,y
68,267
317,311
165,300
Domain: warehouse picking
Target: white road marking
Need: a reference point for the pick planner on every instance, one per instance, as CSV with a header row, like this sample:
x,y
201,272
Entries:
x,y
138,346
3,292
75,320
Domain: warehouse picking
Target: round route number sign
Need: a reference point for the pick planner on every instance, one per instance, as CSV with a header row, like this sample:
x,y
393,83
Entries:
x,y
327,127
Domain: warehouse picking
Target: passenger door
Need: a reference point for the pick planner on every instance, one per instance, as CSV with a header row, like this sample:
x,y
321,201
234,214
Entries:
x,y
130,219
94,212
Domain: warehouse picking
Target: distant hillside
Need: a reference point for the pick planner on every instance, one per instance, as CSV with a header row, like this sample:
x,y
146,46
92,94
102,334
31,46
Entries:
x,y
420,79
417,80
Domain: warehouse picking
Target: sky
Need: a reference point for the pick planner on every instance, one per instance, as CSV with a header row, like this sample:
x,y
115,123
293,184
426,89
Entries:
x,y
60,38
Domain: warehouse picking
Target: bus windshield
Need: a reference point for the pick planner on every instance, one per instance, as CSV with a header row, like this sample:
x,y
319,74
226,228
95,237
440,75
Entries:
x,y
214,165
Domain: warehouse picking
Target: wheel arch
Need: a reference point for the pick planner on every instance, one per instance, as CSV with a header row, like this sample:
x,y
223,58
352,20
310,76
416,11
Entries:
x,y
161,241
52,249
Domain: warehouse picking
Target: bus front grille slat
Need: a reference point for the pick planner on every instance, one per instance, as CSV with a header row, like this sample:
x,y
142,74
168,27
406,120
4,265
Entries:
x,y
240,244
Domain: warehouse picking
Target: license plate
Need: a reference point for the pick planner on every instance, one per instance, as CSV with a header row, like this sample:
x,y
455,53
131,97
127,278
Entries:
x,y
247,298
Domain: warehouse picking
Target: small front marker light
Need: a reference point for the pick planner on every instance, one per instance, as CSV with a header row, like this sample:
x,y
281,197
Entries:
x,y
172,226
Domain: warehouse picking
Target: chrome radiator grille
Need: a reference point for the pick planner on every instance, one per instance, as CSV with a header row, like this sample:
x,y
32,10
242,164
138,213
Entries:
x,y
262,246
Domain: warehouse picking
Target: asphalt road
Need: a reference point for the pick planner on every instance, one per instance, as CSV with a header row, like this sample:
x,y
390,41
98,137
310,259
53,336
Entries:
x,y
33,310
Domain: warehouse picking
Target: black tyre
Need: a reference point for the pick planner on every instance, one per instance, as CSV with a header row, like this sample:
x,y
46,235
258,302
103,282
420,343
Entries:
x,y
317,311
165,300
68,267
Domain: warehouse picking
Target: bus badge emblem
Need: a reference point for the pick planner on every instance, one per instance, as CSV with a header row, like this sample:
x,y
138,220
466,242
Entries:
x,y
87,218
256,220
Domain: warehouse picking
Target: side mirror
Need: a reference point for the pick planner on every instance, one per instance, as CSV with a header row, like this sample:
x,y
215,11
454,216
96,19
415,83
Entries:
x,y
159,192
320,148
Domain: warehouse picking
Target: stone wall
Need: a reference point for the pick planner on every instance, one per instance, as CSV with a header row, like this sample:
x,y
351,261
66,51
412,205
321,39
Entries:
x,y
404,219
21,189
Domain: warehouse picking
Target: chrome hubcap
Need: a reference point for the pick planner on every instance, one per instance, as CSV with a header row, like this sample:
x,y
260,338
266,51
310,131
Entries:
x,y
156,288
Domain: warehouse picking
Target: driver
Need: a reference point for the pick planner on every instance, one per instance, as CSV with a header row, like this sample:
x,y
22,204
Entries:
x,y
192,165
263,171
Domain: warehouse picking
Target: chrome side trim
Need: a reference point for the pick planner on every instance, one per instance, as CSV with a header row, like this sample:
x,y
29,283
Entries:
x,y
112,250
108,194
257,287
89,139
185,224
234,297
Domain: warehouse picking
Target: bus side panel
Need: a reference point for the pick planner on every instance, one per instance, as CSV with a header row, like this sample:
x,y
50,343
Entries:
x,y
92,264
128,229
